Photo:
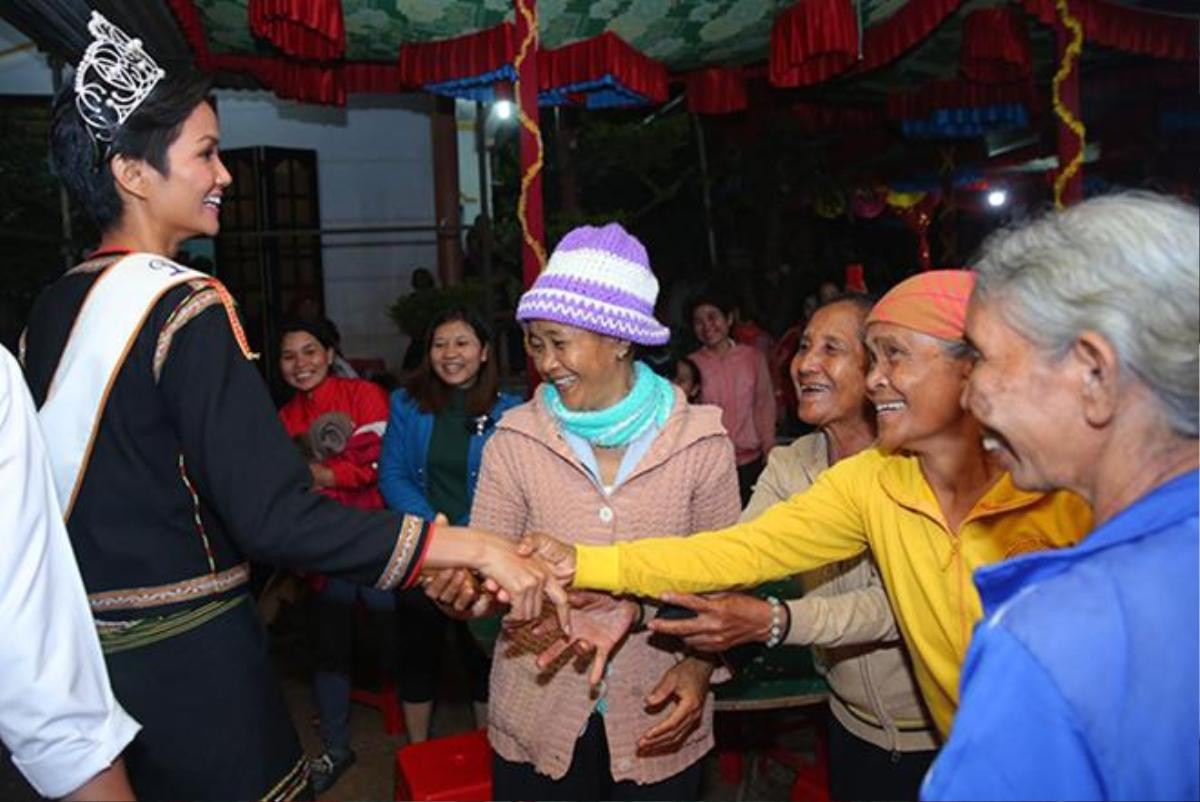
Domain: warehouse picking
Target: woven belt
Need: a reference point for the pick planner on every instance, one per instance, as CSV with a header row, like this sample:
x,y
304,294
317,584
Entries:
x,y
120,636
188,590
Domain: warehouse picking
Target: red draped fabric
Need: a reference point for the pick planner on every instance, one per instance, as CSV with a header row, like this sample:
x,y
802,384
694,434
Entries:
x,y
373,77
467,56
716,90
193,31
890,39
920,103
309,29
1126,29
306,82
823,117
995,46
606,54
812,41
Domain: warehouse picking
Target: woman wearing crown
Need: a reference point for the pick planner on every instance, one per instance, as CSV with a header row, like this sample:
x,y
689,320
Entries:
x,y
166,453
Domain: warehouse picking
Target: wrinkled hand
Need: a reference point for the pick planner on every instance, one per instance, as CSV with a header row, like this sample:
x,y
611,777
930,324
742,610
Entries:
x,y
458,594
558,555
687,683
523,582
322,476
723,620
599,623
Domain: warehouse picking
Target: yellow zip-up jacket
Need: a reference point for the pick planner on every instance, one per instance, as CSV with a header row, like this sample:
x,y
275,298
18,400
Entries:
x,y
871,500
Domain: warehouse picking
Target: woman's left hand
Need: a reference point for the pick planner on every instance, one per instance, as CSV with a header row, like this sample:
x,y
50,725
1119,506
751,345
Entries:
x,y
322,475
599,624
687,682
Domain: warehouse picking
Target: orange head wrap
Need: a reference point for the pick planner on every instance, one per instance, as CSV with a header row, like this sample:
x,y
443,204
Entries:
x,y
933,302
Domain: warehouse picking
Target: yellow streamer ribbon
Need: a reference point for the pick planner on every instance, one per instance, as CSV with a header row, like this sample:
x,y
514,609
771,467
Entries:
x,y
903,200
527,177
1070,59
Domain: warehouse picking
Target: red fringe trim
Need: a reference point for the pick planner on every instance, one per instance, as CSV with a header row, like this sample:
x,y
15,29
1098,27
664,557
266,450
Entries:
x,y
716,90
477,53
812,41
920,103
606,54
1160,35
309,29
995,46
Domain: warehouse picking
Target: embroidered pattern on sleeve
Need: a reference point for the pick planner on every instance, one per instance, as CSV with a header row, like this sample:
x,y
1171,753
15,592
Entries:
x,y
206,293
410,547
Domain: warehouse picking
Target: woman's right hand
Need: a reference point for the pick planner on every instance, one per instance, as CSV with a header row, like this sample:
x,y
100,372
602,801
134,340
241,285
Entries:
x,y
520,581
525,580
722,620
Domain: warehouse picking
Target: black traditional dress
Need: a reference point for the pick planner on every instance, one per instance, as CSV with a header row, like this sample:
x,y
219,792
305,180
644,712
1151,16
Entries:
x,y
190,477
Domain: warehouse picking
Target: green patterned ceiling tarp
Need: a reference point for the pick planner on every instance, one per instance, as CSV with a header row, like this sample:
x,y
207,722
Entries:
x,y
680,33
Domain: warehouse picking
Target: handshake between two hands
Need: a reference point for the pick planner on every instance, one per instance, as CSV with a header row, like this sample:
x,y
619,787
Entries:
x,y
590,624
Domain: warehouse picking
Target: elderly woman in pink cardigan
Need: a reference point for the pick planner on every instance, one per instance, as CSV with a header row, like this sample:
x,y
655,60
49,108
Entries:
x,y
606,451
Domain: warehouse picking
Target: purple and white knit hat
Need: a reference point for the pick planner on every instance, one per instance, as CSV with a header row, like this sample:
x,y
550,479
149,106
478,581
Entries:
x,y
598,279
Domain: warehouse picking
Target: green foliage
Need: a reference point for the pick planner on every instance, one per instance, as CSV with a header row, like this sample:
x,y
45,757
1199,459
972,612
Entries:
x,y
412,312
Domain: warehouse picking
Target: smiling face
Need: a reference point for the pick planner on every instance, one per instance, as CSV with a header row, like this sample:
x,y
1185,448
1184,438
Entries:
x,y
1029,404
915,386
303,361
830,368
586,368
186,201
710,325
456,355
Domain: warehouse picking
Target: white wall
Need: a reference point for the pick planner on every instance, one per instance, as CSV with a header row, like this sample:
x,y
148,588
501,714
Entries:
x,y
468,161
375,168
375,162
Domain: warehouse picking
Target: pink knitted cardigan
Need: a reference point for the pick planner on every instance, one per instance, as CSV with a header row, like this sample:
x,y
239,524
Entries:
x,y
531,480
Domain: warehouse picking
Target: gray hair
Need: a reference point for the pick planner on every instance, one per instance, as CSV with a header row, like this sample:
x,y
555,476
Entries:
x,y
1126,266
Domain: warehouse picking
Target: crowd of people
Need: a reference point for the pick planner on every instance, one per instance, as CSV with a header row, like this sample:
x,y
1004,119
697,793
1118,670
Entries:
x,y
995,518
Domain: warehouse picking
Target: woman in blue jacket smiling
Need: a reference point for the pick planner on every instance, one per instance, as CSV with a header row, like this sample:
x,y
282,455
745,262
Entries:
x,y
432,448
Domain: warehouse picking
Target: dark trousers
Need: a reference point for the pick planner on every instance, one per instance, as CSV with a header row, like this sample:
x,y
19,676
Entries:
x,y
861,771
747,475
422,629
589,777
333,624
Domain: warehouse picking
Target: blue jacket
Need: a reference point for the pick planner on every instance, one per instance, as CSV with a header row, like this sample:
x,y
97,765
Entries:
x,y
403,475
1082,681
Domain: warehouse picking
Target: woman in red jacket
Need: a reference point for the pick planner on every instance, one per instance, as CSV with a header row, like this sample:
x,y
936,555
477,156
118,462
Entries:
x,y
338,425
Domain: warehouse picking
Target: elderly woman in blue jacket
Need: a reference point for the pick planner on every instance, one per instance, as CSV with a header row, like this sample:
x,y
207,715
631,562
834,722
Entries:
x,y
437,426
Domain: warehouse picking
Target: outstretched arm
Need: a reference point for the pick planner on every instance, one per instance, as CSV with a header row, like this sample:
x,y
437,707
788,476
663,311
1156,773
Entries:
x,y
822,525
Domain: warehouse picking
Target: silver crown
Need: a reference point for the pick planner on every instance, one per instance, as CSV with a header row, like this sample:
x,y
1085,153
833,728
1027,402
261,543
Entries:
x,y
113,78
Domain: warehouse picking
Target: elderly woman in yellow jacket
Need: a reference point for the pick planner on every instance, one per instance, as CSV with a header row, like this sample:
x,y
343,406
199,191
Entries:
x,y
927,501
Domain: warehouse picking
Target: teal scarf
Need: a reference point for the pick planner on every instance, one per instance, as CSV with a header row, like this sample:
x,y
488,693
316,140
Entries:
x,y
648,404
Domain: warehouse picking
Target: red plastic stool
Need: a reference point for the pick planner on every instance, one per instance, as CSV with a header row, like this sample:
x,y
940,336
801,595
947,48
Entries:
x,y
386,701
812,776
454,767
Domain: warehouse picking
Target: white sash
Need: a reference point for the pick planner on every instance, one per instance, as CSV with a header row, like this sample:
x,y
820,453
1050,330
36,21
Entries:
x,y
105,329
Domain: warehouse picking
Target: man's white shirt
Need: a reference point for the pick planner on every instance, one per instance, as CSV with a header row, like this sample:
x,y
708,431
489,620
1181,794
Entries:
x,y
58,715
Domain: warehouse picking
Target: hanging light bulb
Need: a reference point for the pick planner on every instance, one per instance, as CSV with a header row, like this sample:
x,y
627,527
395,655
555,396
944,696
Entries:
x,y
997,198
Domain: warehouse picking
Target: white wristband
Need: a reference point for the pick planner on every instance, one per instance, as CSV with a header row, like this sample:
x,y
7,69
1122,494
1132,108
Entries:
x,y
775,636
